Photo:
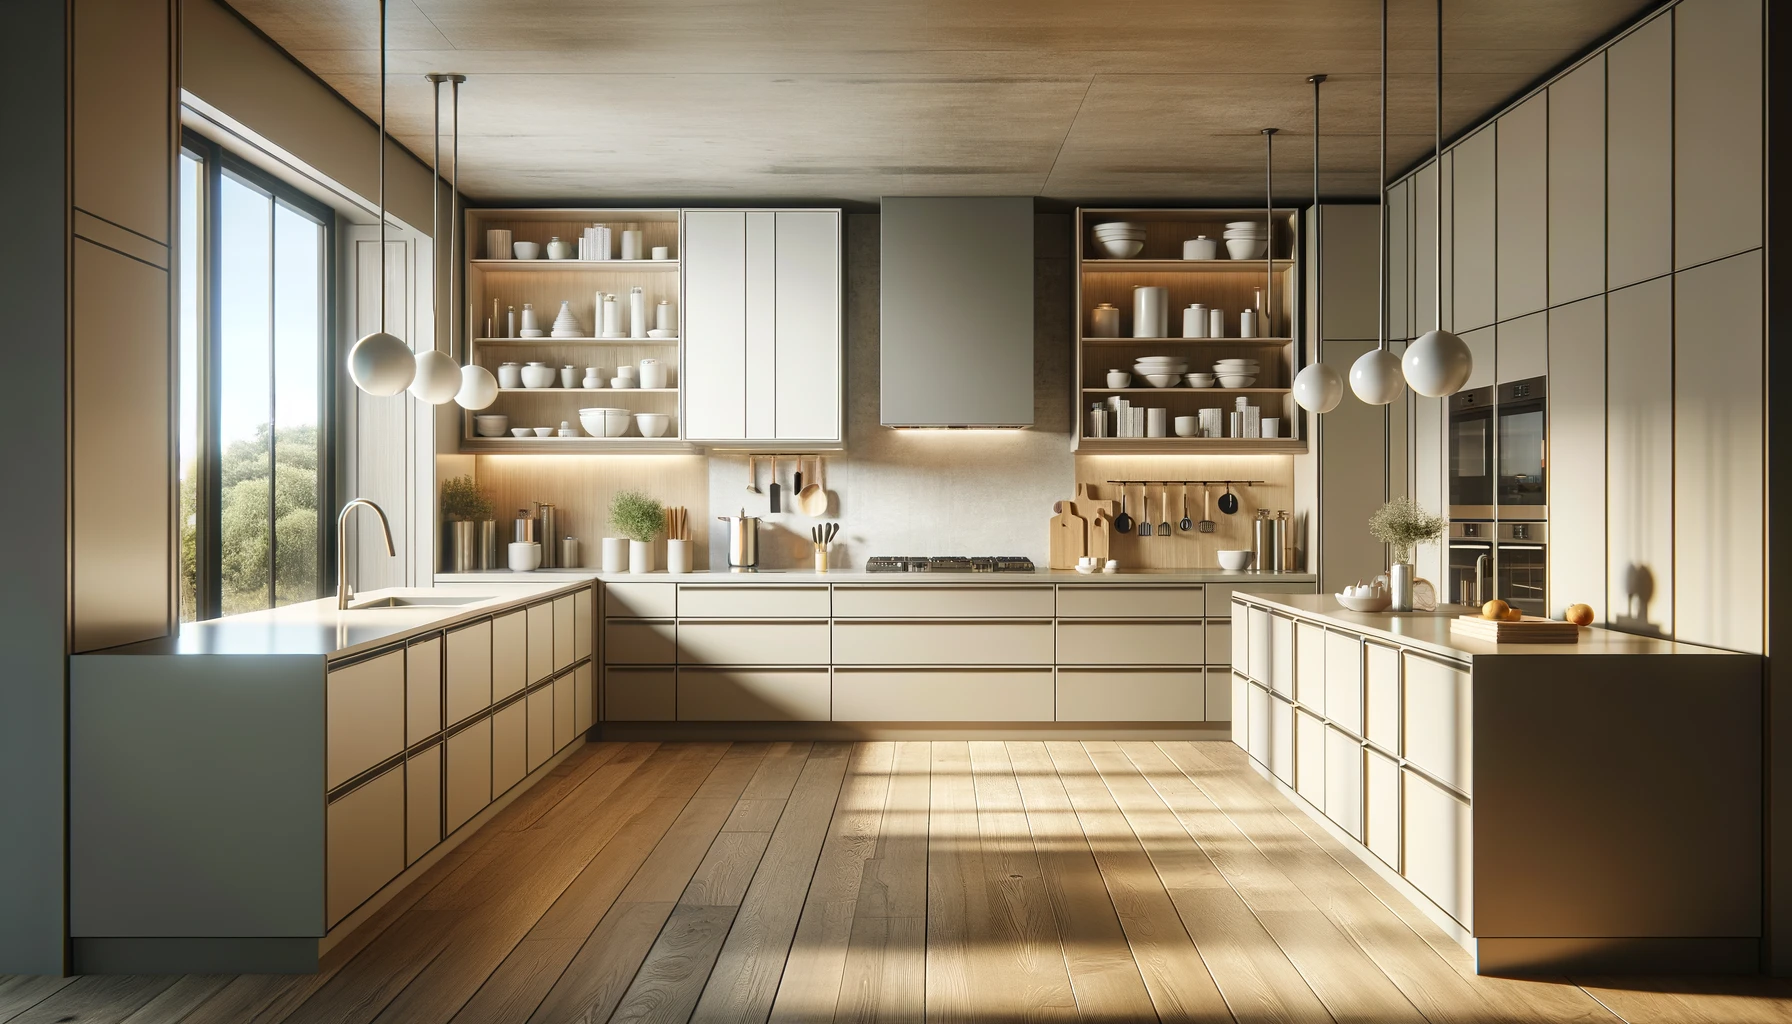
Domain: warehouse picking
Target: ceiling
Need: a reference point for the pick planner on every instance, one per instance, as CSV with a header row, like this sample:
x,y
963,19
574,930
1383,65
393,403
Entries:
x,y
765,100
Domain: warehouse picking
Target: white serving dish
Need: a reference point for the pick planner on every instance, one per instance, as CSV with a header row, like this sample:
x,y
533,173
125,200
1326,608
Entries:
x,y
522,432
652,424
544,431
605,422
1246,248
1235,561
1233,380
1163,380
1378,603
491,425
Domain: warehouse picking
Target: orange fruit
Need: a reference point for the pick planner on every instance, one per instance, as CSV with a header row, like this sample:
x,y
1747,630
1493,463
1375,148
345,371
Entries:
x,y
1515,616
1579,614
1495,609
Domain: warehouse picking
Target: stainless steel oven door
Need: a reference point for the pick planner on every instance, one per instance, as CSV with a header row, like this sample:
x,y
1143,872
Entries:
x,y
1470,440
1521,566
1469,579
1523,451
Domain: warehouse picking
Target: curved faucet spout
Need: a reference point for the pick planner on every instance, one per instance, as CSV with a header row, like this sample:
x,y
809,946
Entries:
x,y
344,592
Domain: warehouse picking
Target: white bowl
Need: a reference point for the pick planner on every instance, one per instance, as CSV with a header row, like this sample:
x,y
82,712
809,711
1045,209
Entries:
x,y
1161,359
1244,225
544,431
1111,226
1188,426
1160,371
1246,248
491,425
522,432
1200,380
1378,603
1121,248
605,422
1119,379
1085,569
661,332
1164,380
539,375
652,424
1234,380
525,556
1235,561
620,383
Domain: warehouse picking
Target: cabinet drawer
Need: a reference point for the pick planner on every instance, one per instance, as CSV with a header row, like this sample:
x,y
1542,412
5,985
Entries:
x,y
943,643
1260,651
1281,739
1218,646
1129,643
1241,639
422,802
640,642
728,601
510,747
640,600
1309,757
1219,595
976,601
1090,695
1099,601
1381,688
1344,781
563,711
1438,719
1438,845
640,695
365,703
584,622
752,643
1381,807
422,690
469,773
1281,655
1241,711
736,695
1309,665
541,726
1257,735
1218,696
541,641
510,654
584,698
1344,681
363,843
563,636
469,671
945,695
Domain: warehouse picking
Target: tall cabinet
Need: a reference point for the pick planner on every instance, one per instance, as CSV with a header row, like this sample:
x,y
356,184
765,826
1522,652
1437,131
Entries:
x,y
763,328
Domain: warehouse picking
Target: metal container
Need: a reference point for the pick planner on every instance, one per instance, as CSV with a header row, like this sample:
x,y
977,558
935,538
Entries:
x,y
1284,542
549,537
743,540
462,545
569,552
524,531
1400,585
1263,543
488,544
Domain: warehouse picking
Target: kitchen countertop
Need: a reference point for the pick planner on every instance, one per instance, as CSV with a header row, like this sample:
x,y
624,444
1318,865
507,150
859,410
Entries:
x,y
769,576
319,629
1430,631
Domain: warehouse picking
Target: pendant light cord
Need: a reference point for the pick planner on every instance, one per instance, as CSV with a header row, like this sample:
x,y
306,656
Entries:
x,y
1381,188
435,215
1438,168
382,166
454,210
1269,246
1318,238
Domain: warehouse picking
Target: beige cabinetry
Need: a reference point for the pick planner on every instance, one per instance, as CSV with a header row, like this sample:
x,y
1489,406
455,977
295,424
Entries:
x,y
1281,655
1129,642
563,633
468,671
510,654
753,695
1522,208
722,601
468,782
921,601
1399,270
1717,129
1475,230
641,642
1309,665
1577,495
1344,680
364,842
1309,757
1577,186
1522,348
1437,712
422,802
540,641
1344,781
539,729
1639,160
364,712
510,746
1381,696
640,600
1281,738
422,689
1130,602
1639,448
1437,844
942,642
1381,806
1131,695
123,127
943,695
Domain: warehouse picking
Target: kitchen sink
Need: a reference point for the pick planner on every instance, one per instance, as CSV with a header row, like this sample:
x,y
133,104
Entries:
x,y
418,602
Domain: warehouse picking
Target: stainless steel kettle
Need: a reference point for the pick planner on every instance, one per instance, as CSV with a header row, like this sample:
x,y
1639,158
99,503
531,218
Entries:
x,y
743,540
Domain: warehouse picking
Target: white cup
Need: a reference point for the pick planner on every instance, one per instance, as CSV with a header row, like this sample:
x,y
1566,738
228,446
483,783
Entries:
x,y
662,252
1154,422
1272,426
1187,426
525,556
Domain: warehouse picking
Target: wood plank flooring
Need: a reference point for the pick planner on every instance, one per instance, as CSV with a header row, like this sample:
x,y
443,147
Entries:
x,y
949,881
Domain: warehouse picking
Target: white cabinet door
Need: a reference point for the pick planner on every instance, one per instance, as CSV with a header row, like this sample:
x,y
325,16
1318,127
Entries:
x,y
1577,453
1344,781
1438,720
1639,448
422,690
1258,738
762,326
1717,129
1281,739
1381,807
1309,665
1639,162
1474,230
363,843
1382,697
1523,208
1241,710
469,671
1344,681
422,802
510,654
1281,655
469,773
1577,186
1262,660
1522,348
365,714
715,325
808,325
1309,758
1438,845
1399,262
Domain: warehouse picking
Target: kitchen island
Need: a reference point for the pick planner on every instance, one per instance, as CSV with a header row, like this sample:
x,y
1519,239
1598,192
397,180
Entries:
x,y
1522,795
246,793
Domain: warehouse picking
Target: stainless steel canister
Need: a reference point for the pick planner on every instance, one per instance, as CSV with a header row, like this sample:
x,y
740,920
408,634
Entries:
x,y
524,532
1283,553
549,536
743,540
488,544
462,554
1263,542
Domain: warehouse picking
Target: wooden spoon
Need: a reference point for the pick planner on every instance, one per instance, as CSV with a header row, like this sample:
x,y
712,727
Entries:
x,y
812,500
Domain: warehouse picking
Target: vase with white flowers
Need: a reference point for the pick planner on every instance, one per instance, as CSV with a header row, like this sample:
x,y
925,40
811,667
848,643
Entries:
x,y
1402,524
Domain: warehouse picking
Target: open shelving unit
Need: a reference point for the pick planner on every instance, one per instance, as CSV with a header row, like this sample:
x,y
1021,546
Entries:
x,y
544,284
1227,284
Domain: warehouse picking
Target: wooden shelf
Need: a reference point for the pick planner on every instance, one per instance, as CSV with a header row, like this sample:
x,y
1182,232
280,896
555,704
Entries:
x,y
1186,391
618,266
1191,445
576,341
1113,266
1185,341
587,391
576,444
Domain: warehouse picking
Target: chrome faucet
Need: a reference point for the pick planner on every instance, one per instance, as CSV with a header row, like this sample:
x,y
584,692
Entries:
x,y
343,591
1481,574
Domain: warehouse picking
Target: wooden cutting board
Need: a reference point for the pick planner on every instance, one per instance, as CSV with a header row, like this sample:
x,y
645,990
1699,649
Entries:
x,y
1069,537
1528,630
1087,504
1101,534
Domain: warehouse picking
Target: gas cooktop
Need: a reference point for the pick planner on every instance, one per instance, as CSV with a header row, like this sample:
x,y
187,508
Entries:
x,y
950,563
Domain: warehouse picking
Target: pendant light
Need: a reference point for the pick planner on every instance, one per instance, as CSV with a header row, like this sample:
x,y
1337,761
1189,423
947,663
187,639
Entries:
x,y
478,388
1320,387
1439,363
438,376
381,364
1375,376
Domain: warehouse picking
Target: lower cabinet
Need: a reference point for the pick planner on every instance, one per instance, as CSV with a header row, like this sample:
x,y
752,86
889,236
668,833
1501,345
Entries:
x,y
641,641
1381,807
943,643
563,712
748,642
469,773
1218,703
640,694
1344,680
1257,737
943,695
1309,760
1241,711
1119,695
1139,642
1344,781
422,802
364,716
753,695
510,747
1281,739
584,698
1437,845
364,843
540,743
1381,687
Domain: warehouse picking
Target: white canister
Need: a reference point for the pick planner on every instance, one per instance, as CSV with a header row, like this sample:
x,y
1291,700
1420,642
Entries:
x,y
559,249
529,321
653,373
615,557
1272,426
1157,422
631,243
662,252
569,377
612,322
1194,321
1216,323
637,312
1200,247
1247,324
640,556
1187,426
678,556
1104,321
594,378
497,244
1150,311
510,375
525,556
662,315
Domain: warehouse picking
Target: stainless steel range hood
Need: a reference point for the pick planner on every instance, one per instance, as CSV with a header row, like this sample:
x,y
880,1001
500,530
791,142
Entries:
x,y
956,304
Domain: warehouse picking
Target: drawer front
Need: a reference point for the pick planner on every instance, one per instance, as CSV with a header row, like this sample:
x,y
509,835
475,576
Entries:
x,y
469,773
541,641
640,642
1260,650
365,716
563,711
1219,595
1219,641
1309,757
727,601
973,695
584,697
564,642
422,690
510,654
1438,720
422,802
1241,638
943,643
1438,845
1344,781
752,643
1099,601
640,600
1309,665
469,671
1381,689
1258,736
929,601
1344,680
363,843
541,726
753,695
1241,711
1381,807
1129,643
1281,655
584,623
640,695
1218,703
510,747
1089,695
1281,739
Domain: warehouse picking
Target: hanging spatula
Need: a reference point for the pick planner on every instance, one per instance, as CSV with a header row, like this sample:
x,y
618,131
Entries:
x,y
774,490
1163,502
1145,523
1206,523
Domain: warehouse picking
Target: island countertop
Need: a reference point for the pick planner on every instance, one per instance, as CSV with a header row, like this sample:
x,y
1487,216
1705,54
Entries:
x,y
766,577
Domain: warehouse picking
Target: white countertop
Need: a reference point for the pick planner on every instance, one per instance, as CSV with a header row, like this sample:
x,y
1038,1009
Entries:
x,y
319,629
1241,580
1430,631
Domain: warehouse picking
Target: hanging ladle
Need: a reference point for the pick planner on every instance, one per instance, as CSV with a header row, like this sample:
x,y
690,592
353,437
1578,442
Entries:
x,y
1187,524
1229,501
1123,522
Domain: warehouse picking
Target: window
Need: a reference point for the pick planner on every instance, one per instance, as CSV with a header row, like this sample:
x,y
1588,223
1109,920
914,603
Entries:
x,y
255,385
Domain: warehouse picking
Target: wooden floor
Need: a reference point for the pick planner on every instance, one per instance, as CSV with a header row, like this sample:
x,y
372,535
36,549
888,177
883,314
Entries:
x,y
897,882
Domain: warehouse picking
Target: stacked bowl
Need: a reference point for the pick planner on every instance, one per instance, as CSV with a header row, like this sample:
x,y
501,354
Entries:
x,y
1236,373
1161,371
1120,239
1200,380
1246,239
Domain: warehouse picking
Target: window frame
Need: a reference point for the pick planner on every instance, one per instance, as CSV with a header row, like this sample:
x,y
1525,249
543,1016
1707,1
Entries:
x,y
215,162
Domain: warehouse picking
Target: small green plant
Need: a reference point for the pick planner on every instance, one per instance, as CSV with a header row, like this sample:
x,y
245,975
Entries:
x,y
1403,525
462,499
636,516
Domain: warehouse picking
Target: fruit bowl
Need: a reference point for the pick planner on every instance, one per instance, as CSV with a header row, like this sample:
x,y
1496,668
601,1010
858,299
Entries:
x,y
1378,603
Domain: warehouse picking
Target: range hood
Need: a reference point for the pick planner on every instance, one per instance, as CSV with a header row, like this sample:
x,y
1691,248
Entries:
x,y
956,312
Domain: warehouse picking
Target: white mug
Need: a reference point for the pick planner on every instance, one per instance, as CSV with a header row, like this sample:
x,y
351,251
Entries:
x,y
1186,426
525,556
1272,426
662,252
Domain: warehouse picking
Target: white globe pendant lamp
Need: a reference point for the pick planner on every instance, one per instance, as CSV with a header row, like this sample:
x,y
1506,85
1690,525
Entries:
x,y
1439,363
478,388
438,375
1375,376
380,363
1318,388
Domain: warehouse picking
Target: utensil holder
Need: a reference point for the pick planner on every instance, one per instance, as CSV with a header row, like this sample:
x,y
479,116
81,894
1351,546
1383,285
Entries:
x,y
569,552
640,556
615,554
678,556
821,559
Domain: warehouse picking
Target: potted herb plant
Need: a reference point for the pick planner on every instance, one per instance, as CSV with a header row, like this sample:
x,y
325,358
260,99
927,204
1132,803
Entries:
x,y
639,518
468,512
1403,525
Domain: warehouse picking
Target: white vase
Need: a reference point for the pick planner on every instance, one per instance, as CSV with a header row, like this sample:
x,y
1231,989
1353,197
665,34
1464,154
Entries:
x,y
510,375
565,324
594,377
569,377
612,327
640,556
637,312
558,249
678,556
538,375
529,323
615,557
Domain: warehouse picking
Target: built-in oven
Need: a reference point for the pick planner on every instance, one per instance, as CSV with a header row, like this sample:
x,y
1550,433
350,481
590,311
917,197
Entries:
x,y
1471,433
1522,450
1521,566
1471,563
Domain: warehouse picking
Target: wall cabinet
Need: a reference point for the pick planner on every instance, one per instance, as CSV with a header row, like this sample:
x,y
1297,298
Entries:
x,y
123,132
1577,465
1577,184
1522,208
1639,160
1717,129
763,336
1522,348
1475,231
1639,449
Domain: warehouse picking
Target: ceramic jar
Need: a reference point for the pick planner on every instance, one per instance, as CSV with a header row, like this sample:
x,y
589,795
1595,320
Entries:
x,y
569,377
1201,247
559,249
510,375
653,373
594,378
1104,321
538,375
530,328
